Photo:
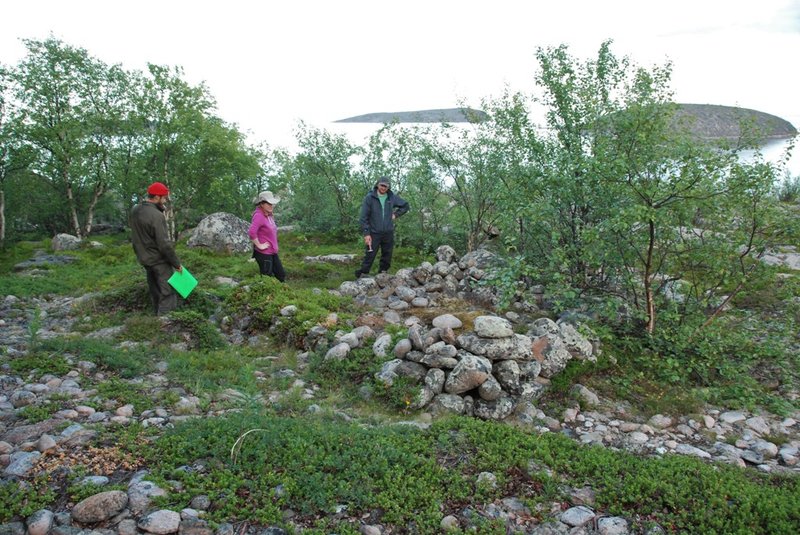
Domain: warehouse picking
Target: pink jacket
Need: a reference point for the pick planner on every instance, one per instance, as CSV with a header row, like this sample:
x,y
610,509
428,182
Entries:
x,y
265,229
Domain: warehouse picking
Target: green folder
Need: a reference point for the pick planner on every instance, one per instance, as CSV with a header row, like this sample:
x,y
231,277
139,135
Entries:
x,y
183,282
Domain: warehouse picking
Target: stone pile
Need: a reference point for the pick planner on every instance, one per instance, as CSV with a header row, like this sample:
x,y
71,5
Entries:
x,y
428,284
490,372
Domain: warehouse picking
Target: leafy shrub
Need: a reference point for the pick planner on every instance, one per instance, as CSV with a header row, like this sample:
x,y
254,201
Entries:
x,y
81,491
359,366
718,364
318,463
789,189
400,395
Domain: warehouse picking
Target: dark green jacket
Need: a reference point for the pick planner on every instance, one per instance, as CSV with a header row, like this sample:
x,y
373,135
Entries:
x,y
150,237
372,220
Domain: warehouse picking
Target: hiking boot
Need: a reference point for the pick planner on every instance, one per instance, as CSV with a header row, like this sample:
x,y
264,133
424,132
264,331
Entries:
x,y
358,274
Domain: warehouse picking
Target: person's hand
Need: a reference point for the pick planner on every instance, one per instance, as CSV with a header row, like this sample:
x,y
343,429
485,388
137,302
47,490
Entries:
x,y
264,246
394,216
180,269
368,241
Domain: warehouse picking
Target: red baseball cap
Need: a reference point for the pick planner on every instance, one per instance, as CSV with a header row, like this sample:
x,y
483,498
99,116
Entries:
x,y
157,188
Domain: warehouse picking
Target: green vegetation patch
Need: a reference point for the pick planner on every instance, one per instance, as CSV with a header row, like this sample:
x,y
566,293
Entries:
x,y
126,362
42,361
213,371
257,465
18,499
263,300
318,465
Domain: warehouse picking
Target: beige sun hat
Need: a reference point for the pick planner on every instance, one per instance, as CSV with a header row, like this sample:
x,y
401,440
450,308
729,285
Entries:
x,y
266,196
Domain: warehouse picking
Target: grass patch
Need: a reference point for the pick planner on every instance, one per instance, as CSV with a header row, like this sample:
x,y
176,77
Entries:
x,y
213,371
125,362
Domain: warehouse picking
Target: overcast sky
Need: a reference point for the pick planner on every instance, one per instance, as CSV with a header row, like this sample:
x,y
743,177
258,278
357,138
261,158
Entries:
x,y
270,64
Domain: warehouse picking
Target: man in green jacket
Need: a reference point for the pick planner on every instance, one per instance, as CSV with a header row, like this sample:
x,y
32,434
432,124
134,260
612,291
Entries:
x,y
380,208
153,248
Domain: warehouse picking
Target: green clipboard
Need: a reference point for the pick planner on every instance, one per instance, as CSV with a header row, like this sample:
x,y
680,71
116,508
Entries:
x,y
183,282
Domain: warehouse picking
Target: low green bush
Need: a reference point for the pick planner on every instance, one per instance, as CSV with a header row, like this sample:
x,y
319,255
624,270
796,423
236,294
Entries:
x,y
42,361
20,499
257,465
37,413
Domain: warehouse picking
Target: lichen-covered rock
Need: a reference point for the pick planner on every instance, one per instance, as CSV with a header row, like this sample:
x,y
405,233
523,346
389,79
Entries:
x,y
65,242
492,327
222,233
470,372
515,347
494,410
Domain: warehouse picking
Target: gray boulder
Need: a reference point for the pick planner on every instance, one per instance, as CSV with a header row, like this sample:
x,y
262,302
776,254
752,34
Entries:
x,y
470,372
516,347
65,242
223,233
494,410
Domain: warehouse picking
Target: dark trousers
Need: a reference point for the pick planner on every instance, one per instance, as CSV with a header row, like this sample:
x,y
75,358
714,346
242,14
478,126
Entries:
x,y
270,265
383,241
162,295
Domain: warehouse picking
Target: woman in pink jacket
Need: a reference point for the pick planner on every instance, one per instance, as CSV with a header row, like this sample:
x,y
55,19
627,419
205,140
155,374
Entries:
x,y
264,235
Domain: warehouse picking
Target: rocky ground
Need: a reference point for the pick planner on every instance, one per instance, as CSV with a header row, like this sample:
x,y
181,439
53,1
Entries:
x,y
761,441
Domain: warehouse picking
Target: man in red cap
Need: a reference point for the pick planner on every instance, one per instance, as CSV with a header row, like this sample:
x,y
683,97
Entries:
x,y
153,248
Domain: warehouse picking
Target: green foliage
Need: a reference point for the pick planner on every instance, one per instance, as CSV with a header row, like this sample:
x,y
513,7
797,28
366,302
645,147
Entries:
x,y
37,413
319,464
789,189
20,499
81,491
729,364
416,476
144,328
326,191
359,366
678,492
400,395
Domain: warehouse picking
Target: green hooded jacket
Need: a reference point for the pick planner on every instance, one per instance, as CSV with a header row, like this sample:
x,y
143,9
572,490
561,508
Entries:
x,y
150,237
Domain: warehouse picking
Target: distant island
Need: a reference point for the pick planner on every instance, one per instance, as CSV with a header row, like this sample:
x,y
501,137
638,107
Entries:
x,y
708,121
444,115
711,121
